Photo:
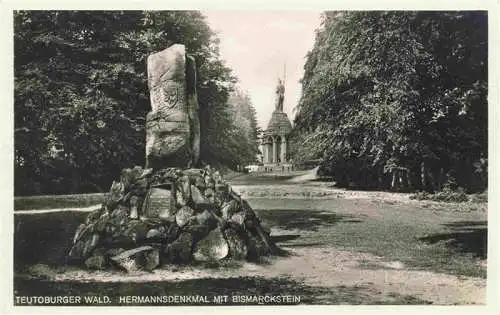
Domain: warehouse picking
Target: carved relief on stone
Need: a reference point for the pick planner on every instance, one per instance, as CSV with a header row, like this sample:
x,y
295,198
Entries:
x,y
172,126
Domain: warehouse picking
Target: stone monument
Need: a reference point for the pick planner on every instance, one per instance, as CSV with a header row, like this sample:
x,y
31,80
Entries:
x,y
169,212
275,137
172,126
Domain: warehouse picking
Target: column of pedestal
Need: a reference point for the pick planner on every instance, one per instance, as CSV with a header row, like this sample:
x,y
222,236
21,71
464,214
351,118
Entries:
x,y
283,149
275,147
264,152
270,160
268,153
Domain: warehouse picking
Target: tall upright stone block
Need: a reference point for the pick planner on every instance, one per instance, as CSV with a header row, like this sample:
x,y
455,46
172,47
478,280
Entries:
x,y
172,126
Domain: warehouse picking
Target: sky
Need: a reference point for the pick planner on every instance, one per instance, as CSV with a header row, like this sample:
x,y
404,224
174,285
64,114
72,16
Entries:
x,y
258,44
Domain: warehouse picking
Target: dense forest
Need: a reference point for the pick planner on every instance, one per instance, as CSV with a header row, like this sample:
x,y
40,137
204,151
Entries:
x,y
397,91
81,96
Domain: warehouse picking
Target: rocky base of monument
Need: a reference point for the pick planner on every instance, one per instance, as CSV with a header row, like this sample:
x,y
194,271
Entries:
x,y
170,216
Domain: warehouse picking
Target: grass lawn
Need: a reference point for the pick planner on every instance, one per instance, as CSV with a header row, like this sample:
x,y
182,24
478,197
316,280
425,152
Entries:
x,y
57,201
448,242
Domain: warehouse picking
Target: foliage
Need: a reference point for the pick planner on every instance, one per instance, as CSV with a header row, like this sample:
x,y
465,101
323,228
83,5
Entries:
x,y
81,93
446,195
384,90
246,135
479,198
41,271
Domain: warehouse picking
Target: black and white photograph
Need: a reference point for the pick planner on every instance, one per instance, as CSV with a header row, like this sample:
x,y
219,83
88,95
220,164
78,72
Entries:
x,y
166,157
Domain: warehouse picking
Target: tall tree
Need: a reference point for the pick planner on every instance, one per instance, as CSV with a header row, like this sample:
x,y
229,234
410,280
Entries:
x,y
246,134
81,93
385,90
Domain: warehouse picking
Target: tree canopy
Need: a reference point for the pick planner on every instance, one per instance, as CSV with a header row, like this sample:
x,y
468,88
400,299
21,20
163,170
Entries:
x,y
397,89
244,118
81,94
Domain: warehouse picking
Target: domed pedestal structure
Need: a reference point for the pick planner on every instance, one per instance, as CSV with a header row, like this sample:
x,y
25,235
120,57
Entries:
x,y
275,143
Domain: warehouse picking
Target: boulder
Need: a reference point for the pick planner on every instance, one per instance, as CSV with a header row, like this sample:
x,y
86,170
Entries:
x,y
152,259
258,245
172,233
198,199
93,216
266,228
114,195
76,251
180,200
134,203
148,260
193,172
89,244
140,187
101,222
221,188
119,212
79,231
136,231
133,259
146,173
229,208
238,218
186,188
199,182
198,231
211,248
154,233
217,177
96,262
179,251
237,244
183,215
84,246
234,195
209,182
206,218
110,252
128,264
209,192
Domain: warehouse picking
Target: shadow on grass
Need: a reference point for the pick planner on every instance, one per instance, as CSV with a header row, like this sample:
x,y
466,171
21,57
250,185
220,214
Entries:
x,y
466,237
44,238
210,287
307,220
284,238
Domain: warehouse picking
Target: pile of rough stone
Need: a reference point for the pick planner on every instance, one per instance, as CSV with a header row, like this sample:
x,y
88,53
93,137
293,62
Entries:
x,y
170,216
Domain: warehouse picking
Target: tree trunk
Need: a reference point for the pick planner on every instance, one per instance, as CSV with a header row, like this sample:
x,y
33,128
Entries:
x,y
393,183
423,181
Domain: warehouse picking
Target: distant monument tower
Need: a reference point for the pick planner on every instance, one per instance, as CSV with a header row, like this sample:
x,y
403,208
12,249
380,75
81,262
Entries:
x,y
275,138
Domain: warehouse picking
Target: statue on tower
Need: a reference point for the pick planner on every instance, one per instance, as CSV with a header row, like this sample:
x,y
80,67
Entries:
x,y
280,95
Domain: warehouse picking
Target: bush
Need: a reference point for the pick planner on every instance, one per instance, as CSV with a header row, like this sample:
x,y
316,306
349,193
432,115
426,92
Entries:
x,y
446,195
41,271
479,198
